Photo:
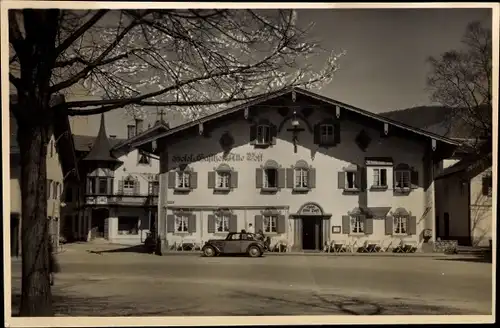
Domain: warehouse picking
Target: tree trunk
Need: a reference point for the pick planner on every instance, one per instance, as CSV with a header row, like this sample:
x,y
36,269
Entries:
x,y
36,298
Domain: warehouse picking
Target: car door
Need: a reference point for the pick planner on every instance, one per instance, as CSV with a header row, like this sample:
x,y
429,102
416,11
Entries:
x,y
246,239
233,244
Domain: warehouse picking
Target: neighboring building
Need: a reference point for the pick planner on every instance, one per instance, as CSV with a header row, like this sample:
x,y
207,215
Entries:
x,y
118,200
464,200
305,169
61,167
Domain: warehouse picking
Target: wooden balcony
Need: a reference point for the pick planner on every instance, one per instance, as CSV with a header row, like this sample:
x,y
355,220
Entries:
x,y
142,200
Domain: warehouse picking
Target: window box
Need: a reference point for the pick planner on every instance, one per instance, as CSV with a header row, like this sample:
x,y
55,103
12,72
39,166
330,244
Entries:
x,y
379,188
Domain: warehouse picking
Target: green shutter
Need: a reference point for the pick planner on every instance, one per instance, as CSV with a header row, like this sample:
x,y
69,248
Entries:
x,y
281,224
211,180
311,182
258,178
412,225
389,225
211,223
341,180
346,224
234,179
171,180
193,180
170,223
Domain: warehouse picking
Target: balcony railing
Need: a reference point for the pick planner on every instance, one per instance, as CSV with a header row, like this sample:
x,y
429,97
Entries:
x,y
125,199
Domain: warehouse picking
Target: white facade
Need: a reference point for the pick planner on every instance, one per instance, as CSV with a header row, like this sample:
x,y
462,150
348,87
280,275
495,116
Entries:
x,y
193,209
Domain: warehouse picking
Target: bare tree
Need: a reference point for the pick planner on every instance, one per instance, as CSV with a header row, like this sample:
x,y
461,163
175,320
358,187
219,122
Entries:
x,y
192,61
462,80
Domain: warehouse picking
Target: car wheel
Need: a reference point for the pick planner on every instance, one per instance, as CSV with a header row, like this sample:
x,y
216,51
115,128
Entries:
x,y
254,251
208,251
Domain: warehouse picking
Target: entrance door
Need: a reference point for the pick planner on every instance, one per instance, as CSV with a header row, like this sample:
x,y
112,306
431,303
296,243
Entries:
x,y
98,218
311,233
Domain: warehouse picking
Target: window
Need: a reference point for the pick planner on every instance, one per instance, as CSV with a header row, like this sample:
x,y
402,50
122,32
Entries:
x,y
154,187
379,178
103,185
181,223
357,224
128,186
91,185
487,185
49,186
402,179
128,225
263,134
269,222
270,178
223,179
326,134
301,178
182,180
400,225
51,148
222,223
130,131
350,180
143,159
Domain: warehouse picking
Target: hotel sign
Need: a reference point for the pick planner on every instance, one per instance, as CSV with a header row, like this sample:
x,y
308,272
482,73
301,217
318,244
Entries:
x,y
215,158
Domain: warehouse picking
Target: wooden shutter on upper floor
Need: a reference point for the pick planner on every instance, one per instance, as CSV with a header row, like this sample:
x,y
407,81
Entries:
x,y
259,178
171,180
120,187
233,179
281,224
346,224
192,222
414,179
253,134
336,133
193,180
317,134
137,186
274,133
341,180
233,223
311,179
290,178
368,225
281,178
211,223
211,180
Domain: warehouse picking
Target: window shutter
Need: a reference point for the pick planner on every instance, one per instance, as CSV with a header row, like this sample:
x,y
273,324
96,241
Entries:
x,y
193,180
362,178
311,178
211,180
317,137
234,179
170,223
412,225
274,134
485,187
137,187
281,178
341,180
258,178
414,179
389,225
233,223
281,224
336,133
253,134
110,186
346,224
258,223
49,182
120,187
211,223
171,180
368,225
289,178
192,223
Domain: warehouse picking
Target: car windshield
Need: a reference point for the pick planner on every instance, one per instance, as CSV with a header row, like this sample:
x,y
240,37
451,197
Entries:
x,y
235,236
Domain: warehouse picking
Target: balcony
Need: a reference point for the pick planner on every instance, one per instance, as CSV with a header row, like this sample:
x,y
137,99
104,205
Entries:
x,y
122,200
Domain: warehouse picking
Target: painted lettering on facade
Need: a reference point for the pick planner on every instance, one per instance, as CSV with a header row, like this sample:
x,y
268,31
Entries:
x,y
231,157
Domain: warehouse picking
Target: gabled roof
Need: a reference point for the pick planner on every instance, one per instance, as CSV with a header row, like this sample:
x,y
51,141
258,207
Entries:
x,y
84,143
101,150
160,126
470,166
146,138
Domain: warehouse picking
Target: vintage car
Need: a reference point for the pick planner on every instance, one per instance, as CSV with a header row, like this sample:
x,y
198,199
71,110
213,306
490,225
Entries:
x,y
235,243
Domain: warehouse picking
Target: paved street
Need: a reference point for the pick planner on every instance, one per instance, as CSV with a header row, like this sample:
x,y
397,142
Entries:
x,y
133,284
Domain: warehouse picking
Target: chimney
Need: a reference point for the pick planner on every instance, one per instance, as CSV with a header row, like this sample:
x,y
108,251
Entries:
x,y
138,125
130,131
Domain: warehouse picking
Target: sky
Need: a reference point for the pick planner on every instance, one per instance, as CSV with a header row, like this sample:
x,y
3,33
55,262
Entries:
x,y
385,63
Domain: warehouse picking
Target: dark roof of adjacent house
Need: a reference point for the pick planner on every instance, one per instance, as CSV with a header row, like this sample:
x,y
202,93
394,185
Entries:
x,y
62,133
159,126
101,149
472,164
148,136
85,143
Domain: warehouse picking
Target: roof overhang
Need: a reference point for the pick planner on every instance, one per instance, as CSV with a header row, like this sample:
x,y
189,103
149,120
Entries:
x,y
146,138
467,168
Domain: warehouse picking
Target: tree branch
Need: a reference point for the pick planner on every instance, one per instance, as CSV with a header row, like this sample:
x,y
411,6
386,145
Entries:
x,y
80,31
15,35
15,81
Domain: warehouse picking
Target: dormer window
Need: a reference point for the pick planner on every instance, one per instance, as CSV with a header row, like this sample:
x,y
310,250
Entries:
x,y
326,134
263,134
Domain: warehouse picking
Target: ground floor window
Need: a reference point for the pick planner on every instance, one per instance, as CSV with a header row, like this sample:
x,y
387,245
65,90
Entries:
x,y
357,224
181,223
128,225
222,223
400,225
270,222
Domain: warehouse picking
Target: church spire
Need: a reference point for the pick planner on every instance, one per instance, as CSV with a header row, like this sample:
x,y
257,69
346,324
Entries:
x,y
101,150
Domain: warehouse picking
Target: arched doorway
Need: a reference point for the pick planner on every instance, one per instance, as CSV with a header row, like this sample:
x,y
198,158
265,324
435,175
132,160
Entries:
x,y
311,227
99,221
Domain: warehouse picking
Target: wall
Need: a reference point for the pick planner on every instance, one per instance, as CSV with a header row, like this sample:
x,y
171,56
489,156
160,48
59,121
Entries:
x,y
131,167
481,214
128,239
327,162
